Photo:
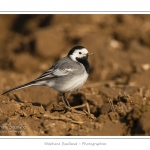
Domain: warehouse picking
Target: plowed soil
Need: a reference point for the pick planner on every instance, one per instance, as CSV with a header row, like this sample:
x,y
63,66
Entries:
x,y
117,90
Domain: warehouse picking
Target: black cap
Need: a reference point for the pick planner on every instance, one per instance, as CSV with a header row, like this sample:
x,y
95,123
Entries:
x,y
75,48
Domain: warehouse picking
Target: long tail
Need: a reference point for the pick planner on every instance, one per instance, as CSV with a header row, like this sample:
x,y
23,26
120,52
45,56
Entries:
x,y
20,87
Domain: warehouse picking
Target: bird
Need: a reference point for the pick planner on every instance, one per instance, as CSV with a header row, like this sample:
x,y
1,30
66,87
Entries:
x,y
66,75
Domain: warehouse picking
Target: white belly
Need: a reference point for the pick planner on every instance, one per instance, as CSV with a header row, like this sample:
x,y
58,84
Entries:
x,y
74,83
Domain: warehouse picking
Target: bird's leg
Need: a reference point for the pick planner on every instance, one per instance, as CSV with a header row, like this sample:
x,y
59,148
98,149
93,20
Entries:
x,y
67,106
65,101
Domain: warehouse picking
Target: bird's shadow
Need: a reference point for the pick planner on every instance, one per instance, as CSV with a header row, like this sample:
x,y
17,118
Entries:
x,y
17,99
76,99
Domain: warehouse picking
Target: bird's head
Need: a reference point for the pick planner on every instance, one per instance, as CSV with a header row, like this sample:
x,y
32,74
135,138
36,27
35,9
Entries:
x,y
79,52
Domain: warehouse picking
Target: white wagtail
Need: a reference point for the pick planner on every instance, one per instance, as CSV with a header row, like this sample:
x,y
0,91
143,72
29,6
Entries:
x,y
66,75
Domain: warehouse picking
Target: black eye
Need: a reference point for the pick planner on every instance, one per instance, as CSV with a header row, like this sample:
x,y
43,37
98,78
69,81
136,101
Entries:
x,y
80,53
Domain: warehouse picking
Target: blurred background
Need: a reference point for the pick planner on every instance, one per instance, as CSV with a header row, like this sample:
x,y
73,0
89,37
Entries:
x,y
121,43
30,44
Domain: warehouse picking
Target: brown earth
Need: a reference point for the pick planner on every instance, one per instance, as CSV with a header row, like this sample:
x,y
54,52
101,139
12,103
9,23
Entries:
x,y
117,90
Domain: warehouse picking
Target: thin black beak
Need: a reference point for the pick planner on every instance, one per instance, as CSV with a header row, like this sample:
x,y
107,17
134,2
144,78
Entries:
x,y
90,54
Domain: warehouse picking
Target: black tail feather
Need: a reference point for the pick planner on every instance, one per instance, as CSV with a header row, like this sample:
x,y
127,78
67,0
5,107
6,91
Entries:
x,y
20,87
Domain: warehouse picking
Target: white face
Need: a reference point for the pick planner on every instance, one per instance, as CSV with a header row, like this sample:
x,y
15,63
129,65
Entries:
x,y
79,53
